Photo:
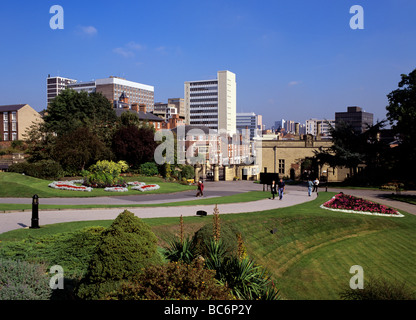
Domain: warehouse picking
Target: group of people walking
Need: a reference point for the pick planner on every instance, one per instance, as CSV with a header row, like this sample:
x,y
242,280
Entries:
x,y
279,188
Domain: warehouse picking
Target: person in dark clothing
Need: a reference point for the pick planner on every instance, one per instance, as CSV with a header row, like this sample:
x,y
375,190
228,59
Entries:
x,y
281,188
200,192
273,189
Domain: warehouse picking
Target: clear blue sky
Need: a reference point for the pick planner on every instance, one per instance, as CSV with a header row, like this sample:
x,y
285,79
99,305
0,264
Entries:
x,y
293,59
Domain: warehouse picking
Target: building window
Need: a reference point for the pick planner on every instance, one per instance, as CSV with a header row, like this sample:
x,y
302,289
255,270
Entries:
x,y
281,166
14,136
14,126
5,126
6,136
5,116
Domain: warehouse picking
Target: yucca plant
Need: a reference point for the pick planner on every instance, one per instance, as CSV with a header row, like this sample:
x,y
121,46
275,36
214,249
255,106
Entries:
x,y
180,250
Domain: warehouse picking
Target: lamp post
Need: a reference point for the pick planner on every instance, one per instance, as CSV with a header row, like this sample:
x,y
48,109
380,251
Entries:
x,y
35,212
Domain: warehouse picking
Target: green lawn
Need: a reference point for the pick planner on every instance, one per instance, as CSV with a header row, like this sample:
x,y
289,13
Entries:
x,y
235,198
16,185
312,250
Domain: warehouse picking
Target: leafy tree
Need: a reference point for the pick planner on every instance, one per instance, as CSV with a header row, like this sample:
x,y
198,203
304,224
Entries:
x,y
401,112
71,110
79,149
134,145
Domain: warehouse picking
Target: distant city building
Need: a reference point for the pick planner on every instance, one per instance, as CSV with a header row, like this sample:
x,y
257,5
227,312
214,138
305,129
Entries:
x,y
212,103
111,88
167,110
54,85
248,121
278,125
355,116
313,126
16,120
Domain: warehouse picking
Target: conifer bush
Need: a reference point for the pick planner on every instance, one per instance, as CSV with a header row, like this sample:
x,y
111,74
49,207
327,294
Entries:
x,y
125,249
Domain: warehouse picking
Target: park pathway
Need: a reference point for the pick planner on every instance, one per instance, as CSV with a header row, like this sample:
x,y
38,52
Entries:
x,y
294,195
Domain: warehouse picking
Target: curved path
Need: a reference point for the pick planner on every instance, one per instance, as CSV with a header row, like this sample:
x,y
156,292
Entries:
x,y
294,195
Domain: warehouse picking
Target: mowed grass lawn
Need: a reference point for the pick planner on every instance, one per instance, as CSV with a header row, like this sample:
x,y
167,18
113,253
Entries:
x,y
16,185
312,250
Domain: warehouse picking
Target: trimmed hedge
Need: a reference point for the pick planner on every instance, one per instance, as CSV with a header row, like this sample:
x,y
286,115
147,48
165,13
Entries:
x,y
125,248
43,169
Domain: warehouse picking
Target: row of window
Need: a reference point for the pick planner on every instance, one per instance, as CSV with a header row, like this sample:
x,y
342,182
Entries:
x,y
6,136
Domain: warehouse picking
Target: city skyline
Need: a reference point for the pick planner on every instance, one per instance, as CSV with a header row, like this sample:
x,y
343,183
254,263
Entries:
x,y
296,61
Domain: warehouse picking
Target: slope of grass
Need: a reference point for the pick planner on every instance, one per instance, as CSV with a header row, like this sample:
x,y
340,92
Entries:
x,y
312,250
16,185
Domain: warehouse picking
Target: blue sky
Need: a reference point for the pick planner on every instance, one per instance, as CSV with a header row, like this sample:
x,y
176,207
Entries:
x,y
294,60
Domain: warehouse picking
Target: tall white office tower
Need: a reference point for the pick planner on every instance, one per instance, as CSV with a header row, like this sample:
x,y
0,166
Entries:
x,y
212,103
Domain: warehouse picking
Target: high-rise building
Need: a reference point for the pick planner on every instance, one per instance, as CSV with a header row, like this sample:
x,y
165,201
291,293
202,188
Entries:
x,y
212,103
315,126
54,85
247,121
355,116
278,125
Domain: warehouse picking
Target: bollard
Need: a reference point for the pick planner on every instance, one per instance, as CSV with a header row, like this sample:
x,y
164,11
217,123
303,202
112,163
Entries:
x,y
35,212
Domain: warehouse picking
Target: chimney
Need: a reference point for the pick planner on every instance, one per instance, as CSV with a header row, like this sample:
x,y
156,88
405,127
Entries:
x,y
135,107
142,108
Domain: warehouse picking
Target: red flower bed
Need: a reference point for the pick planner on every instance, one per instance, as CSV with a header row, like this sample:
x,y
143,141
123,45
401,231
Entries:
x,y
346,202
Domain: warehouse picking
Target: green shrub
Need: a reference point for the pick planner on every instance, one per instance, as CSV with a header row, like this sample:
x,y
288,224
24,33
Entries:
x,y
105,174
149,169
125,248
188,171
43,169
202,238
20,280
180,250
173,281
72,250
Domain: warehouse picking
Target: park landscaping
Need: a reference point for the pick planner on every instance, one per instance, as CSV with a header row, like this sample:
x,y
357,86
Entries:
x,y
308,255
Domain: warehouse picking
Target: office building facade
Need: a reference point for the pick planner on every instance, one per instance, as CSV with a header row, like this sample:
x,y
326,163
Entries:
x,y
357,117
54,85
111,88
248,121
212,103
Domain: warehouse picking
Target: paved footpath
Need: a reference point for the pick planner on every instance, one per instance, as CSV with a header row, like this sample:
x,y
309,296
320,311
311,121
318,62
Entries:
x,y
293,196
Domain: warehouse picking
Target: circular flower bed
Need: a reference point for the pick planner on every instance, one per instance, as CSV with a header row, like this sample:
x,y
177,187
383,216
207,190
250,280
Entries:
x,y
346,203
69,185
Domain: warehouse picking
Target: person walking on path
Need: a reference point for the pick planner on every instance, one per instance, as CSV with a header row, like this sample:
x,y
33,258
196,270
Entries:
x,y
310,186
315,185
281,188
200,192
273,189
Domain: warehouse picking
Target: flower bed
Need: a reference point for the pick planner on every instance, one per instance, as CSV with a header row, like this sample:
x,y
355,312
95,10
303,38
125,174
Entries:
x,y
346,203
69,185
136,183
148,187
116,189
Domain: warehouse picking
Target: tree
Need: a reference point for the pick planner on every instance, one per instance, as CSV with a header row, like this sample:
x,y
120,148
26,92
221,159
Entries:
x,y
71,110
351,149
78,149
134,145
401,112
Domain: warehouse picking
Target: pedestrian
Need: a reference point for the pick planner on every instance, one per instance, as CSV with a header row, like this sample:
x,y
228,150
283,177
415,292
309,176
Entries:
x,y
310,186
273,189
199,189
281,188
202,188
315,185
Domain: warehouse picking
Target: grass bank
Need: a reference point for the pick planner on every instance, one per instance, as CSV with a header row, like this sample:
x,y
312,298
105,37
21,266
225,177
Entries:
x,y
17,185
